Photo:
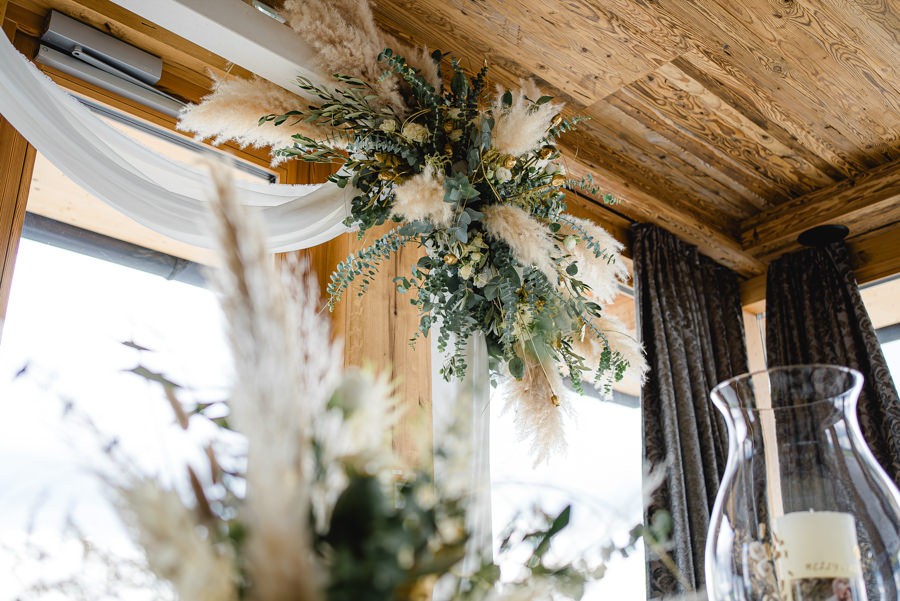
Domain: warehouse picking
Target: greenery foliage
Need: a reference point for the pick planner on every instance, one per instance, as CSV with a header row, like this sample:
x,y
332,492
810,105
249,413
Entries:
x,y
469,281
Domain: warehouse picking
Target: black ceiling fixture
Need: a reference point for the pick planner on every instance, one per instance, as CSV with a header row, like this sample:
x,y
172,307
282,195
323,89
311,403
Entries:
x,y
823,235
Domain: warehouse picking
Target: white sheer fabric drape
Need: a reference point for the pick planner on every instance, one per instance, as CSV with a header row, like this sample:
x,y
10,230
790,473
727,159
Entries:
x,y
165,195
462,445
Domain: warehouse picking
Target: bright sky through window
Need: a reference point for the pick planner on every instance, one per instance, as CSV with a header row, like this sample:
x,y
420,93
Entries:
x,y
67,318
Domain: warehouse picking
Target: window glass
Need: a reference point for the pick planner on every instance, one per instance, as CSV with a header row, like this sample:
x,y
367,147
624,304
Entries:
x,y
599,475
67,319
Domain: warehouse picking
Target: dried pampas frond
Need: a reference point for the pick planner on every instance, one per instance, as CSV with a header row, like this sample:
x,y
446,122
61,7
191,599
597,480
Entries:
x,y
539,407
422,197
346,39
232,111
417,57
529,240
271,339
603,274
175,549
620,340
522,127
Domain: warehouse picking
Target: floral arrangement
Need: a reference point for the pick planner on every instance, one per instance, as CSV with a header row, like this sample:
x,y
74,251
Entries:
x,y
475,179
295,499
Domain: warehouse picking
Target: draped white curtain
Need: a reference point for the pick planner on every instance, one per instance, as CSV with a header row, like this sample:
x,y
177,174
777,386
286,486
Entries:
x,y
165,195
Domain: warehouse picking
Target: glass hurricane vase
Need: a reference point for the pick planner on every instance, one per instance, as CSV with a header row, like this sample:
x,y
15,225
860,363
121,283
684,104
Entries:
x,y
804,512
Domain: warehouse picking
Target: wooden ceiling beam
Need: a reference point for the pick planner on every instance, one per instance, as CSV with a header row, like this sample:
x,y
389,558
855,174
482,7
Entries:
x,y
863,203
874,256
641,206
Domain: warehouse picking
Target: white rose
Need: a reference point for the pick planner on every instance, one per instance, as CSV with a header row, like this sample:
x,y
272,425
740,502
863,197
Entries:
x,y
570,242
503,174
482,279
388,125
465,272
475,257
415,132
553,168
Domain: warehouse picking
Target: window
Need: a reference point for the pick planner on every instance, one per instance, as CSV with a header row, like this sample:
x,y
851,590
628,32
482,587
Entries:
x,y
880,299
67,319
600,476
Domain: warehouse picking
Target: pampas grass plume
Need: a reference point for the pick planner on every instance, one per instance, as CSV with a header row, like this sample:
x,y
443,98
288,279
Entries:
x,y
528,239
232,111
422,197
175,550
522,127
285,368
538,421
619,339
603,274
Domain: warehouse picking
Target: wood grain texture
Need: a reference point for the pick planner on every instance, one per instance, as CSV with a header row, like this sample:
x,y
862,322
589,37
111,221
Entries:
x,y
16,165
375,329
706,116
863,203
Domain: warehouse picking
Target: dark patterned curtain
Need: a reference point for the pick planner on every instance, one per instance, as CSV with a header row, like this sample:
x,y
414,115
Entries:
x,y
691,327
814,314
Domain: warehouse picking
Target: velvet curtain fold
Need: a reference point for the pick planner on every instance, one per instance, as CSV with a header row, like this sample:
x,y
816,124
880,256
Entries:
x,y
691,327
815,314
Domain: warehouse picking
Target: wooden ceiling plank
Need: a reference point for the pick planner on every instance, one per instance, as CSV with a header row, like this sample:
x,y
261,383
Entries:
x,y
872,12
870,58
873,195
796,167
667,177
437,27
607,121
642,109
719,34
587,63
668,184
836,62
737,97
671,93
758,105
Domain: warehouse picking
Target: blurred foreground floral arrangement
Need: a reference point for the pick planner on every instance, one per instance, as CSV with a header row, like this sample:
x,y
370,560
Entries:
x,y
471,176
297,499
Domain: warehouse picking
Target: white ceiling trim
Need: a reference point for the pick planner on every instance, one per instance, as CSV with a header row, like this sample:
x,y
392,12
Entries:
x,y
237,32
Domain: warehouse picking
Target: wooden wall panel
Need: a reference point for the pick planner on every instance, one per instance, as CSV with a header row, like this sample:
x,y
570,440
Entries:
x,y
16,165
376,328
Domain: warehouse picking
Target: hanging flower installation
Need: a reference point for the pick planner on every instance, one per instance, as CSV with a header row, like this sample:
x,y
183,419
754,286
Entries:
x,y
474,178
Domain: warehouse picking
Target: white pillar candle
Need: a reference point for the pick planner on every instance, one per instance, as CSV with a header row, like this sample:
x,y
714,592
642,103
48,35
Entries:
x,y
817,544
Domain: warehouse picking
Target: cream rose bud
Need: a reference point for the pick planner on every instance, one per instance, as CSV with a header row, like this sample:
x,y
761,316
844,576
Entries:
x,y
553,168
475,257
570,242
503,174
388,125
465,271
415,132
482,279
